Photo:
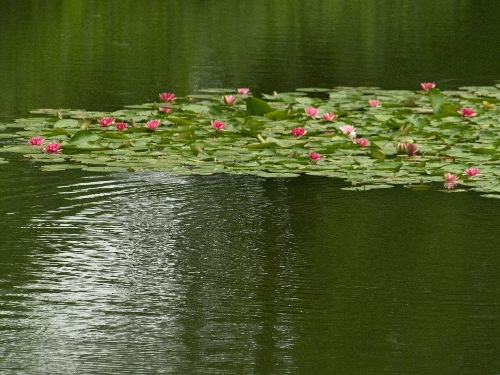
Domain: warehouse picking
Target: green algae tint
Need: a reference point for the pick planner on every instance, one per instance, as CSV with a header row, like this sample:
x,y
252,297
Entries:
x,y
370,137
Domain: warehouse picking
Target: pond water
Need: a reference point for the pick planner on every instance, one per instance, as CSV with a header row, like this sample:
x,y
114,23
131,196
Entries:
x,y
147,273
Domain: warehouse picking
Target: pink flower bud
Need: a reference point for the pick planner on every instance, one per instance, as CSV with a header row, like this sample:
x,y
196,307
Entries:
x,y
427,85
243,91
217,125
298,132
106,121
228,99
165,109
362,142
450,177
52,148
167,97
373,103
471,172
314,157
330,116
121,125
152,124
311,111
467,112
36,141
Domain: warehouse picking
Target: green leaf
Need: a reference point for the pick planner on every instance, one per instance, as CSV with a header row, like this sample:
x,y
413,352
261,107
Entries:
x,y
83,136
257,107
437,99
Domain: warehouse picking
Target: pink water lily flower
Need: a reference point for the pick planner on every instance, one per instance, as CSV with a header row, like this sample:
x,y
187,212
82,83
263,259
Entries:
x,y
467,112
373,103
427,85
298,132
450,177
314,157
36,141
152,124
362,142
52,148
167,97
165,109
243,91
330,116
120,125
449,185
471,172
348,129
228,99
106,121
311,111
217,125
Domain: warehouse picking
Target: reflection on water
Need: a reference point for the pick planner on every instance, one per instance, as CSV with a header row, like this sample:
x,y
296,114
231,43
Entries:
x,y
153,273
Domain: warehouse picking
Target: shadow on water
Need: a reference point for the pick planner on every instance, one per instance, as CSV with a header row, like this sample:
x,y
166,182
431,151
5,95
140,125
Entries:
x,y
179,274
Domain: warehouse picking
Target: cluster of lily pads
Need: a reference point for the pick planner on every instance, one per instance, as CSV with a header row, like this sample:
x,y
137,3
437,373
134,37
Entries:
x,y
370,137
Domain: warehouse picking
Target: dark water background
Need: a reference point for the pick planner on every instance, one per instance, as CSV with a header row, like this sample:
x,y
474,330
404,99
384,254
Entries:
x,y
154,273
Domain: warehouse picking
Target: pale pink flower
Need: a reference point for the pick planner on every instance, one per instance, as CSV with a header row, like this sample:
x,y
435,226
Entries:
x,y
427,85
228,99
362,142
311,111
471,172
243,91
347,129
449,185
450,177
467,112
298,132
106,121
165,109
217,125
52,148
373,103
167,97
36,141
152,124
330,116
411,149
121,125
314,157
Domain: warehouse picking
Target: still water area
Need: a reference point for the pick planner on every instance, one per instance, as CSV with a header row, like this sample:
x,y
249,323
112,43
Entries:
x,y
152,273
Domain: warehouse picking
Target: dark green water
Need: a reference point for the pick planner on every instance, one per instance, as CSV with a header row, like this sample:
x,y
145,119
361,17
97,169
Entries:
x,y
153,273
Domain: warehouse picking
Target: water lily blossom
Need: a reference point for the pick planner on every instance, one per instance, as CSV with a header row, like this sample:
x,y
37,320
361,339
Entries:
x,y
427,85
362,142
52,148
471,172
311,111
152,124
373,103
467,112
165,109
298,132
167,97
348,130
36,141
243,91
314,157
330,116
106,121
217,125
120,125
450,177
228,99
